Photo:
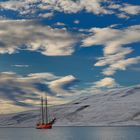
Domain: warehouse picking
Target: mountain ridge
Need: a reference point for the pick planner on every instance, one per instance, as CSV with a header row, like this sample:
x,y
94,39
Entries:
x,y
113,108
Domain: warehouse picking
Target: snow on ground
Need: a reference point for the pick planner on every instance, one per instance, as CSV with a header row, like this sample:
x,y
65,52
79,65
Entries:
x,y
115,107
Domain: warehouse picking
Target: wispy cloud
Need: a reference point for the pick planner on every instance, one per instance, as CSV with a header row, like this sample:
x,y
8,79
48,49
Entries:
x,y
58,86
31,36
20,66
23,92
106,83
113,41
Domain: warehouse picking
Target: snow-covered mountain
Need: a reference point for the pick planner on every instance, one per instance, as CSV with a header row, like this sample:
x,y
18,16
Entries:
x,y
115,107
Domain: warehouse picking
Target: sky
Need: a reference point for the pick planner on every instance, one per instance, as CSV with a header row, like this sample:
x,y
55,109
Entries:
x,y
66,49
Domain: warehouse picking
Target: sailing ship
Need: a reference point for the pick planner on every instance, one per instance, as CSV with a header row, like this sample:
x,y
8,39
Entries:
x,y
44,122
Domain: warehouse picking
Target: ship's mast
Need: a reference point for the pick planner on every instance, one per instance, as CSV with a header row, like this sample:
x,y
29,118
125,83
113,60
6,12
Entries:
x,y
46,111
42,111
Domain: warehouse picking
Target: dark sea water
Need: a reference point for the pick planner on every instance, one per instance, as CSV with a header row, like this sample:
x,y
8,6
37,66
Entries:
x,y
71,133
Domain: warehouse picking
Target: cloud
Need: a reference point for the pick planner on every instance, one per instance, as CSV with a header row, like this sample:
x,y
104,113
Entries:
x,y
106,82
130,9
120,65
24,92
20,66
28,35
8,106
60,24
33,7
113,41
42,76
76,21
36,8
123,15
46,15
26,8
125,10
112,37
58,86
111,59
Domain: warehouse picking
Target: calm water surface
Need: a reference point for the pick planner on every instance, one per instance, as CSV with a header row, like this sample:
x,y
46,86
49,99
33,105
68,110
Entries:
x,y
71,133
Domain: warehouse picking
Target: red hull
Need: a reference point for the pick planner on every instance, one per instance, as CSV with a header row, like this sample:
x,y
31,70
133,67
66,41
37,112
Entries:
x,y
44,126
